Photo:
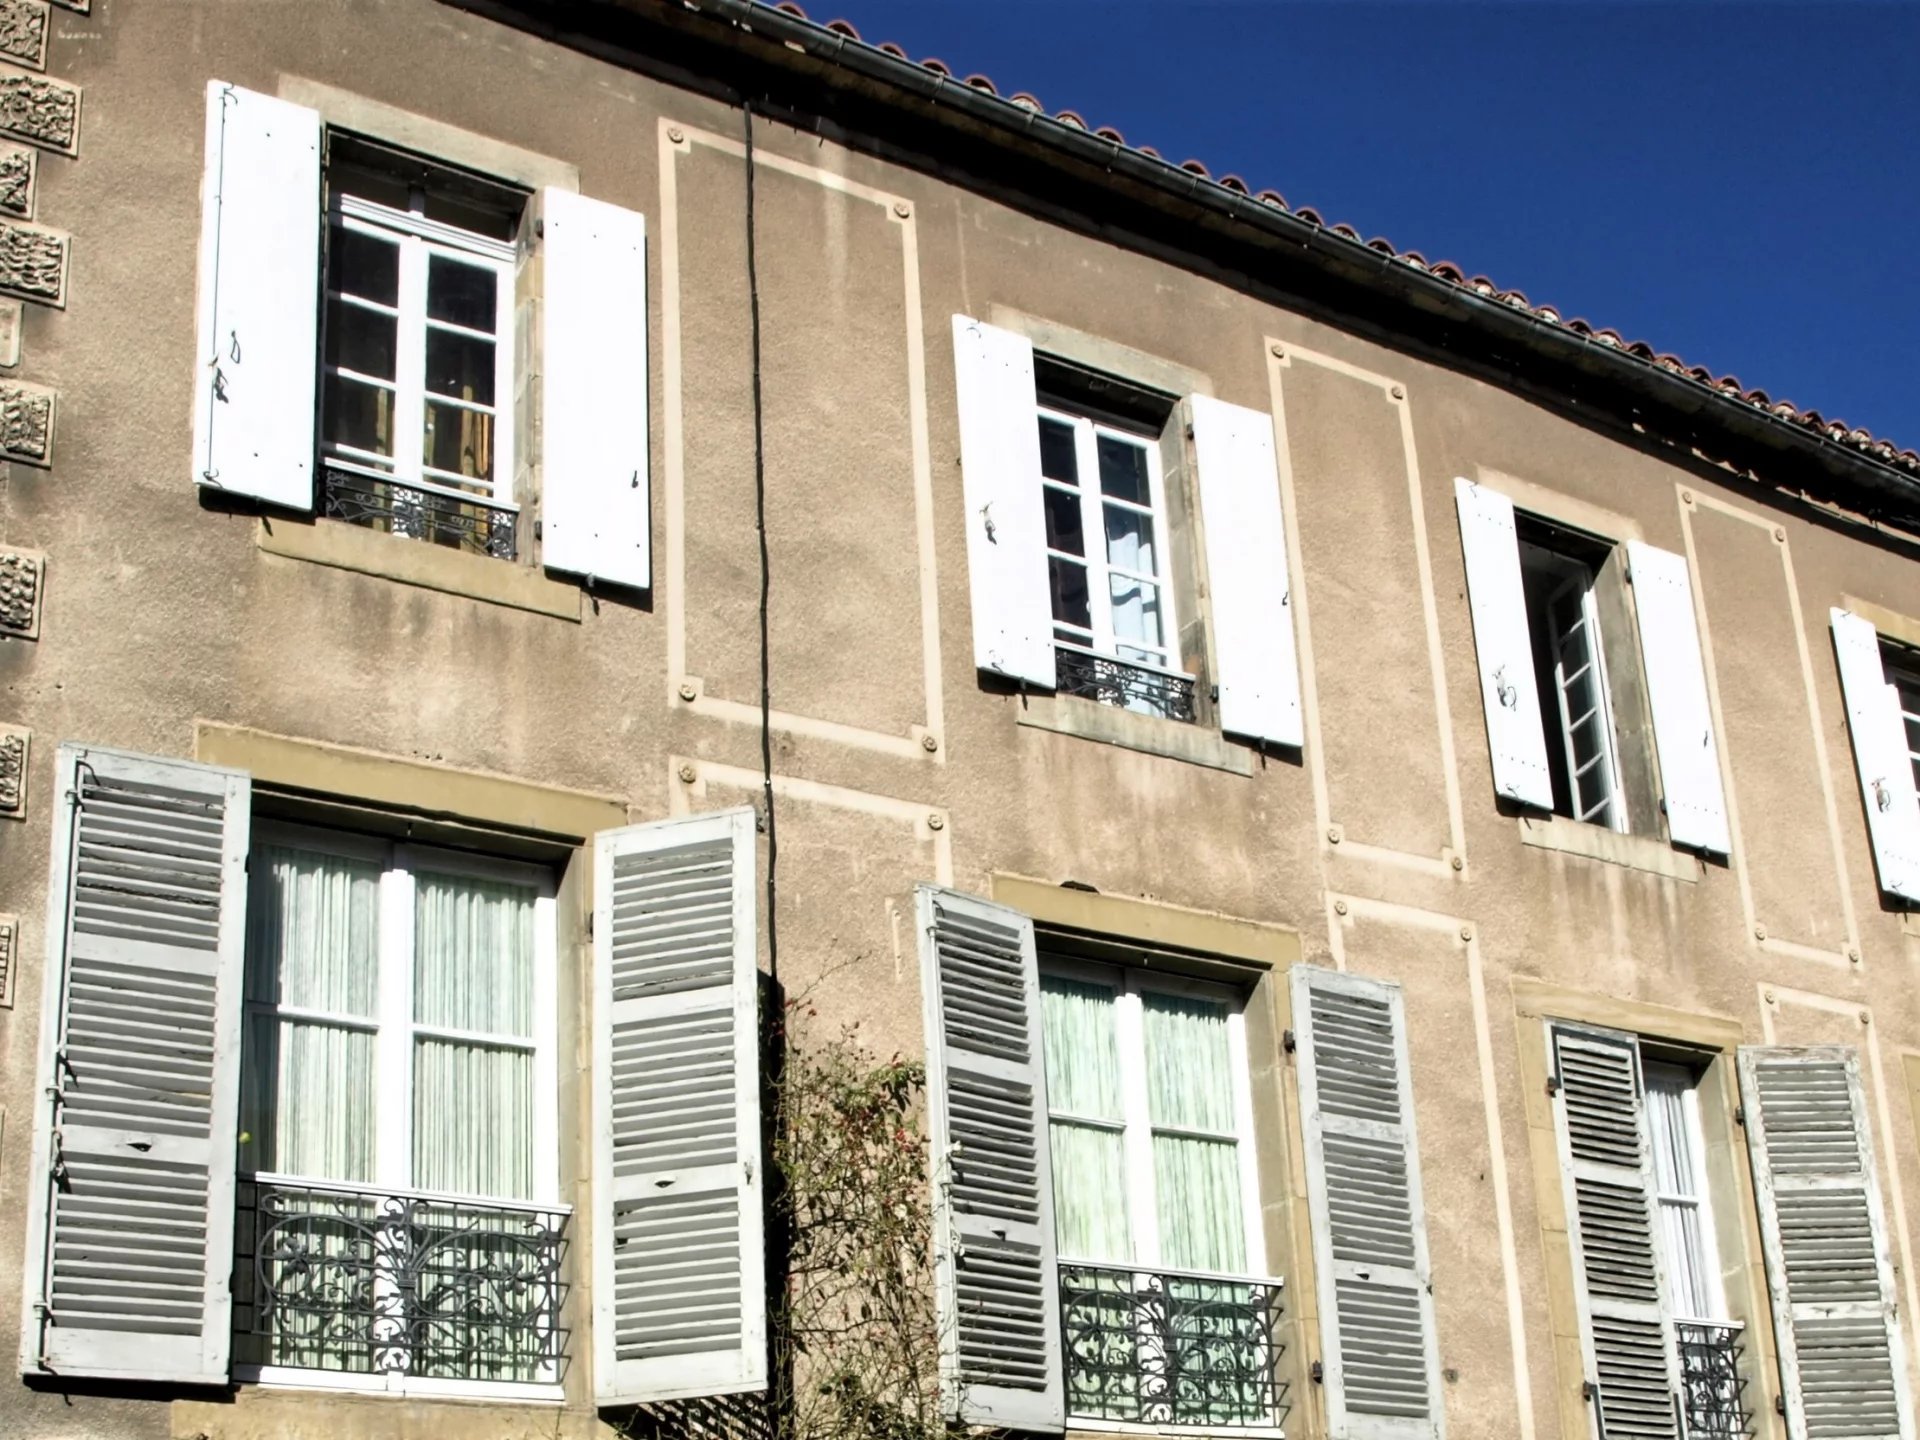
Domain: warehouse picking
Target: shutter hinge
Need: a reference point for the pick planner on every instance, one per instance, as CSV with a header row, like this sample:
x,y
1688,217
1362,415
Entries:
x,y
1553,1084
1780,1404
1589,1391
1740,1116
1287,1042
1317,1373
590,926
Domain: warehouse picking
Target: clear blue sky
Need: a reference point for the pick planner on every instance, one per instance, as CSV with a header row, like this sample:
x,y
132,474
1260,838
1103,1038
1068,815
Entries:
x,y
1736,183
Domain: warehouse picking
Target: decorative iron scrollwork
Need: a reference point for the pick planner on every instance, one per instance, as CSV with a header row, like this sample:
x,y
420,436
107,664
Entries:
x,y
459,522
1130,687
1163,1348
1713,1391
386,1282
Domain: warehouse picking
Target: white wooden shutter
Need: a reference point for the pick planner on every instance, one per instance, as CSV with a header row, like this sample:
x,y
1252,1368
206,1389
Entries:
x,y
996,1288
1677,694
1380,1355
679,1289
1620,1280
1498,602
256,365
1006,521
595,516
130,1216
1842,1364
1252,601
1880,755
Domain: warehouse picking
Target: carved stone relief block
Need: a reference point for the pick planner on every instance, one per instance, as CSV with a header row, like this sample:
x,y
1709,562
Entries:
x,y
33,263
22,574
19,168
9,957
13,771
40,110
23,32
26,422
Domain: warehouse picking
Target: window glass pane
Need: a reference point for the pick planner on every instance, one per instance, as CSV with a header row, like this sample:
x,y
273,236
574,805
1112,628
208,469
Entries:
x,y
363,265
460,366
462,294
306,1099
1130,540
1064,530
1136,611
1189,1065
312,928
459,441
1057,459
1123,470
1197,1192
1090,1192
359,415
1675,1142
473,955
1082,1051
360,339
1070,596
472,1119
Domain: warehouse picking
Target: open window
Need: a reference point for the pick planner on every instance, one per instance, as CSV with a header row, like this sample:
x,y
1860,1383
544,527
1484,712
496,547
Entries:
x,y
1881,682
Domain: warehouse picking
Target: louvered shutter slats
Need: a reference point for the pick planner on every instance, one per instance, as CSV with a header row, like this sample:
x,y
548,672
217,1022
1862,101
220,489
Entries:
x,y
1380,1348
1824,1236
679,1290
129,1249
993,1200
1628,1332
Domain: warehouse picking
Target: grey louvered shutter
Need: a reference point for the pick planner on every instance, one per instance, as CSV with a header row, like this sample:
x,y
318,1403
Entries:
x,y
679,1289
1626,1327
1828,1272
1363,1189
130,1222
998,1300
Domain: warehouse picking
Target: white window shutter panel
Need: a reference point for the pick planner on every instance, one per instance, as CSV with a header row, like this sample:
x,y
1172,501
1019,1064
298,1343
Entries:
x,y
1620,1281
1677,694
1246,545
1006,521
1497,600
1842,1364
256,365
1880,755
679,1286
1378,1342
595,515
130,1211
996,1290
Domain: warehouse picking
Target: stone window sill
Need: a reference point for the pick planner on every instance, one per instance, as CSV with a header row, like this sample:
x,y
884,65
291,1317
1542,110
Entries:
x,y
1595,842
1148,734
415,562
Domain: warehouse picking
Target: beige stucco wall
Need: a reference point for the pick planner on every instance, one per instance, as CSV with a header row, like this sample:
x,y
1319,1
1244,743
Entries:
x,y
893,764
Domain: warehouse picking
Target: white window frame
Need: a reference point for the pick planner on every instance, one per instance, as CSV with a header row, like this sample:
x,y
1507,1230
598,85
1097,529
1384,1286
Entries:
x,y
1100,639
1700,1201
1610,812
395,1032
418,240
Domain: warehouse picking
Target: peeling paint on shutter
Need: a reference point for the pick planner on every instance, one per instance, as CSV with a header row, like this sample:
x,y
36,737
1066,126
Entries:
x,y
1497,600
1842,1364
997,1292
1006,523
1677,694
1880,755
1627,1331
1246,544
1363,1187
679,1290
130,1230
255,376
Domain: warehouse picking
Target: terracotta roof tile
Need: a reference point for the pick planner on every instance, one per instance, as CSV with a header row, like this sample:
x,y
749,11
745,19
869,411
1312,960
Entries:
x,y
1837,430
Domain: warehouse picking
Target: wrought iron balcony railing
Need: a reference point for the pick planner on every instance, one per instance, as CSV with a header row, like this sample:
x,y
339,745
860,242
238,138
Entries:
x,y
397,1283
425,512
1171,1348
1712,1388
1131,686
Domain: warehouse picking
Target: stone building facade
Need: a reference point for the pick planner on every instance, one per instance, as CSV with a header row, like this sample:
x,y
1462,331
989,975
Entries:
x,y
532,531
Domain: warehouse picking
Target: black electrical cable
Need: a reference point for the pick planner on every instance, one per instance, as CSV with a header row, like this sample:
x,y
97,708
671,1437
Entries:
x,y
766,574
